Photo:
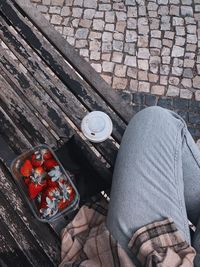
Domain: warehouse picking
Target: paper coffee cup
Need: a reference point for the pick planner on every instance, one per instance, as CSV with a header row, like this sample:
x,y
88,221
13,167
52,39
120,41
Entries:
x,y
97,126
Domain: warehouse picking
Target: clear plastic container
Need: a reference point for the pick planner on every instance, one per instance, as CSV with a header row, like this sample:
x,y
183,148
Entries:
x,y
33,204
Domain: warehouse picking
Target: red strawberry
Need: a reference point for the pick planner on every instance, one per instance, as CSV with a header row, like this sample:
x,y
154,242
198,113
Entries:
x,y
27,180
63,204
46,154
47,193
50,163
34,189
36,161
50,183
26,168
39,171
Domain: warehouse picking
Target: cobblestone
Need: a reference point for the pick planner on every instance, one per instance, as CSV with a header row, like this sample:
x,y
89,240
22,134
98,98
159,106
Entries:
x,y
164,80
188,73
95,55
81,33
95,45
108,66
84,52
109,27
117,57
179,41
119,83
196,82
144,87
106,56
98,24
96,66
153,78
56,19
186,11
180,30
131,36
89,13
155,43
143,53
118,45
132,72
172,91
177,71
106,47
81,43
130,61
185,93
99,14
68,31
65,11
120,70
158,90
85,23
158,55
107,37
110,16
177,51
57,2
186,83
143,75
90,3
43,9
107,78
131,23
54,10
143,64
133,85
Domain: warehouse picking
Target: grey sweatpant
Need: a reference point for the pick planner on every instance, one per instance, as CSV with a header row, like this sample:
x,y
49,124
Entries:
x,y
156,175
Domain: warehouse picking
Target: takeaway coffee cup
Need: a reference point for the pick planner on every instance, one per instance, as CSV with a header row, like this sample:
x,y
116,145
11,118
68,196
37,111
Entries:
x,y
97,126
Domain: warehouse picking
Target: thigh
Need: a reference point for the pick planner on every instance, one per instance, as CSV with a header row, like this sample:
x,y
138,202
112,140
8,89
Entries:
x,y
191,177
148,178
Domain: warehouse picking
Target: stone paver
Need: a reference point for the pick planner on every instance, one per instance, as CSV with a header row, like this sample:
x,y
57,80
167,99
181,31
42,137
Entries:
x,y
144,46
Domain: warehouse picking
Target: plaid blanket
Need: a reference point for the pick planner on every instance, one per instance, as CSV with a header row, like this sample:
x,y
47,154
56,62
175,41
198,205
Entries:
x,y
87,242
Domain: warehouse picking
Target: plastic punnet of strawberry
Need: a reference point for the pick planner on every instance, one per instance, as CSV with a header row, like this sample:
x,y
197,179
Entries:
x,y
47,185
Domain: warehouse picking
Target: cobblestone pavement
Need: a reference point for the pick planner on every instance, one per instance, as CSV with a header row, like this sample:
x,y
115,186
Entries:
x,y
136,45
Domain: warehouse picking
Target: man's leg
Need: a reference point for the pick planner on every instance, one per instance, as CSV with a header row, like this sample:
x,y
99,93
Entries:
x,y
148,175
191,177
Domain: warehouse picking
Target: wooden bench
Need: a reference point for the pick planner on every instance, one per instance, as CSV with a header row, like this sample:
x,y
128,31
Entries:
x,y
46,90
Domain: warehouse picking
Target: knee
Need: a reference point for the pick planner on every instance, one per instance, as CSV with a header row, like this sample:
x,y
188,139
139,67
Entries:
x,y
153,112
158,115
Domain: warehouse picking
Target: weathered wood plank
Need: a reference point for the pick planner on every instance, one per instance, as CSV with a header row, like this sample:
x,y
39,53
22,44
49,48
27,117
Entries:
x,y
96,161
55,88
10,254
77,62
6,153
87,150
23,117
43,104
11,134
52,85
55,61
41,234
21,235
30,91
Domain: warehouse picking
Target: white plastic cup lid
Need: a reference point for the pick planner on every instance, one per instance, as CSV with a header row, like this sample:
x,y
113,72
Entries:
x,y
97,126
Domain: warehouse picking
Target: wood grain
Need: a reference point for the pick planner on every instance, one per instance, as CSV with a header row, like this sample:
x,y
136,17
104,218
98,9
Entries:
x,y
36,239
78,86
83,67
